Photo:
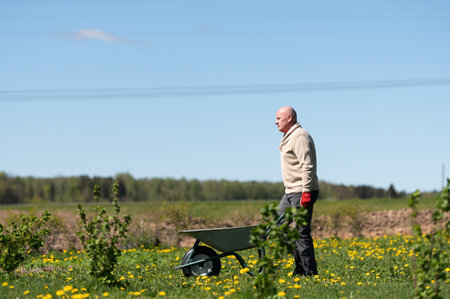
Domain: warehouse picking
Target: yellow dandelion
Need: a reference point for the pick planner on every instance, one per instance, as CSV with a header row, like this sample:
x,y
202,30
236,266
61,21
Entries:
x,y
281,294
105,294
4,284
26,292
281,280
11,287
67,288
245,270
60,293
162,293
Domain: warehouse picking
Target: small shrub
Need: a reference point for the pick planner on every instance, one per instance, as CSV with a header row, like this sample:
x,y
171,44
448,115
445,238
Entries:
x,y
177,214
141,234
279,239
60,237
430,258
100,237
353,221
345,220
20,236
336,222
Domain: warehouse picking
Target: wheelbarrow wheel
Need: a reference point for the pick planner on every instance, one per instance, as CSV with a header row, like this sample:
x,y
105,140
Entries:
x,y
208,268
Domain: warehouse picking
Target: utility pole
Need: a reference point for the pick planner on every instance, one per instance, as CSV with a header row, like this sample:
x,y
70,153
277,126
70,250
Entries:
x,y
443,175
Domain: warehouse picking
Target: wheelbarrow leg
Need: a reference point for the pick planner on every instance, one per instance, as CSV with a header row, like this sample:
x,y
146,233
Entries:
x,y
192,252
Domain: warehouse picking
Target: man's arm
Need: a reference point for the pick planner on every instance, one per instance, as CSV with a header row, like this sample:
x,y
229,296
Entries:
x,y
304,150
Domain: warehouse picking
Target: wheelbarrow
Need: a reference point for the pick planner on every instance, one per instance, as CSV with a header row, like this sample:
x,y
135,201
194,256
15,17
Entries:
x,y
204,261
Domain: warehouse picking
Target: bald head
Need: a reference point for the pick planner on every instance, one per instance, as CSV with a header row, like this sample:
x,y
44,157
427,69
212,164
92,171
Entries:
x,y
286,117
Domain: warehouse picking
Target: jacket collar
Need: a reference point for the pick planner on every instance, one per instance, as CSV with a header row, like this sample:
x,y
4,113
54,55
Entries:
x,y
288,133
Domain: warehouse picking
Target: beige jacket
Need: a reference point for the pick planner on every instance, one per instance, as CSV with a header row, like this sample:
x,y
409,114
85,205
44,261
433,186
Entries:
x,y
298,161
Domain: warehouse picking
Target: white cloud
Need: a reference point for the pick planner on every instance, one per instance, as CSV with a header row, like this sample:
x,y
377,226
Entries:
x,y
97,34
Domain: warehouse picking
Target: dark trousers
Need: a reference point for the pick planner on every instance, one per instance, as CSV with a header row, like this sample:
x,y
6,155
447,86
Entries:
x,y
305,260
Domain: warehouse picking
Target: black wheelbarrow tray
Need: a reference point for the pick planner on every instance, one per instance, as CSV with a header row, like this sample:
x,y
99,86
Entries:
x,y
204,261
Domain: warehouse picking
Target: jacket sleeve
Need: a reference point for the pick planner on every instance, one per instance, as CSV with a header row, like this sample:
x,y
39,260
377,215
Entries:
x,y
305,153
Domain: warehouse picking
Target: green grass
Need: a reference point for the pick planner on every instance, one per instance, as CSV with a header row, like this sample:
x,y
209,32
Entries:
x,y
220,210
352,268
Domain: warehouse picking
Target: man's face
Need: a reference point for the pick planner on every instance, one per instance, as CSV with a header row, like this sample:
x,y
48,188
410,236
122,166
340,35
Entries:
x,y
283,120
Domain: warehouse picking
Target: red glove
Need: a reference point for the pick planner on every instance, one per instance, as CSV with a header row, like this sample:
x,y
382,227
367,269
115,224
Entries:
x,y
306,200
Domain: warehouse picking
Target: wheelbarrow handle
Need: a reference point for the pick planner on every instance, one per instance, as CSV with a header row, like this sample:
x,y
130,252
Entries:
x,y
278,222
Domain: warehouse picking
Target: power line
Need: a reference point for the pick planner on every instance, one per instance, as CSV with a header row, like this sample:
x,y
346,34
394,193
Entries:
x,y
220,32
196,91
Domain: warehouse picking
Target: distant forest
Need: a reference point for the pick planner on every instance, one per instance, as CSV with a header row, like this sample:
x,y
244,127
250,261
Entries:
x,y
20,190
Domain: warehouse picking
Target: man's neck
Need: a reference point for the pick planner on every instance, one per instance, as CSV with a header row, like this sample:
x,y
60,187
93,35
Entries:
x,y
290,127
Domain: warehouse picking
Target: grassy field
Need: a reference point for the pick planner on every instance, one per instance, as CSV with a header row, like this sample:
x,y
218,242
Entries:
x,y
221,210
348,268
351,268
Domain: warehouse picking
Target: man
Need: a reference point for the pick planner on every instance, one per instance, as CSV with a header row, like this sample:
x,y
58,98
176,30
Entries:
x,y
298,168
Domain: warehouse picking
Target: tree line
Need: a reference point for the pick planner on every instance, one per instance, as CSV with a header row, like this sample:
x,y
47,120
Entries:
x,y
21,190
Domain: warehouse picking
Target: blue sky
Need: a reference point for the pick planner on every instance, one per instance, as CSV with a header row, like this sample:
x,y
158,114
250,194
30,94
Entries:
x,y
70,74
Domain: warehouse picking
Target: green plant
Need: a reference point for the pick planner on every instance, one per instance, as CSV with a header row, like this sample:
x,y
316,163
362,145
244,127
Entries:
x,y
141,234
278,239
345,220
60,236
176,214
431,258
100,237
336,222
20,236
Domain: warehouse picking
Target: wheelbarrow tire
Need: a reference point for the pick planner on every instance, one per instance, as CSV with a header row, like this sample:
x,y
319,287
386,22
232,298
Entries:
x,y
187,271
209,268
